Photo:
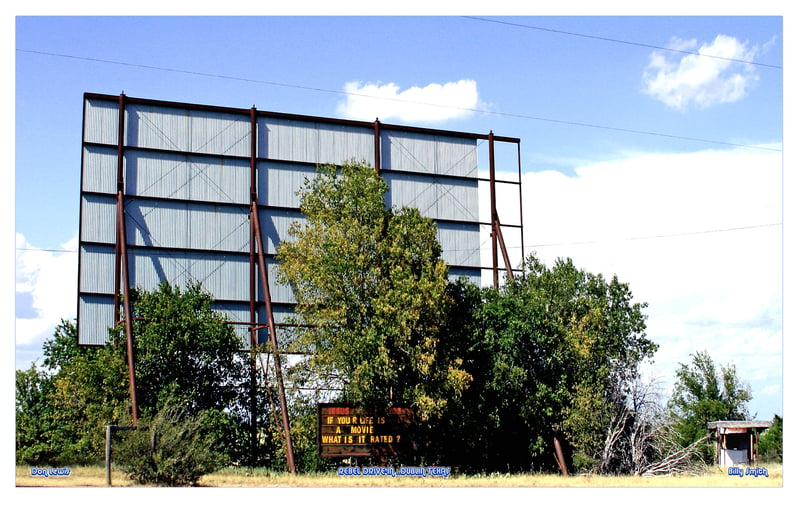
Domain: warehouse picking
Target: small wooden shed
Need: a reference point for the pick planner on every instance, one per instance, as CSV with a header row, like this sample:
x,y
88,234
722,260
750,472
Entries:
x,y
737,441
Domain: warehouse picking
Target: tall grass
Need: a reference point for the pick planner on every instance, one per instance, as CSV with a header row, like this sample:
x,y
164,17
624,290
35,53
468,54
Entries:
x,y
713,477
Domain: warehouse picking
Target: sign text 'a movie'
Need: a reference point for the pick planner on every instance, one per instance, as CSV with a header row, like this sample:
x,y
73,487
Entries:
x,y
344,430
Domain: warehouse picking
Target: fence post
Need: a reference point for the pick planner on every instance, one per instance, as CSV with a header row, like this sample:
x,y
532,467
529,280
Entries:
x,y
108,455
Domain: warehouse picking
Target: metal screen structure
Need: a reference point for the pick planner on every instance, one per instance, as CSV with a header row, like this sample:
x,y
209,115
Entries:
x,y
186,192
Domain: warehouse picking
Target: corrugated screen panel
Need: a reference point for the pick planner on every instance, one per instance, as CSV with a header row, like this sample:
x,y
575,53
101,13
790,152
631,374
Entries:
x,y
220,180
165,175
98,214
157,223
178,176
156,127
408,151
172,224
97,269
418,152
439,199
460,244
279,293
101,124
95,317
456,156
223,276
147,268
312,142
222,228
457,200
99,169
219,133
291,140
278,183
275,226
339,144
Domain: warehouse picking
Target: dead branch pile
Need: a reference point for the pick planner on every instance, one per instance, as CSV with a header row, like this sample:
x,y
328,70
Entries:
x,y
641,439
675,459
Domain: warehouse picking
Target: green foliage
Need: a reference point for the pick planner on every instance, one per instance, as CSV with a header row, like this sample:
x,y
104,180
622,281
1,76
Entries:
x,y
551,351
770,444
228,434
176,450
493,374
61,412
303,430
183,349
703,394
372,288
186,352
34,418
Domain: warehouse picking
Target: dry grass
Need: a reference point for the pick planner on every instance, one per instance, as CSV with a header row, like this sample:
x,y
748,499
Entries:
x,y
95,477
80,476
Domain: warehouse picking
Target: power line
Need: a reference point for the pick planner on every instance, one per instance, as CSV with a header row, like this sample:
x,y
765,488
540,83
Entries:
x,y
620,41
637,238
395,99
49,250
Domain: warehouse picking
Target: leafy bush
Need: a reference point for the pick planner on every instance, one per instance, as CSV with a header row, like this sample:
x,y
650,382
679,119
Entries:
x,y
771,442
176,450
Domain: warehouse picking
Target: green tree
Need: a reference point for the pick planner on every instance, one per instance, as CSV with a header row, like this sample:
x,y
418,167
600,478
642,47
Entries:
x,y
552,351
705,394
183,350
61,411
34,417
770,444
185,354
372,289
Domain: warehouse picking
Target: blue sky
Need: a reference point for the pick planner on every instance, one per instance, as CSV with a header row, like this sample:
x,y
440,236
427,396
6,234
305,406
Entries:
x,y
657,165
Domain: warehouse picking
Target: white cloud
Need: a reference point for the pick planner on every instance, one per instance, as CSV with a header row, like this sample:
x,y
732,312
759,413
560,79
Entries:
x,y
679,81
46,284
433,103
658,221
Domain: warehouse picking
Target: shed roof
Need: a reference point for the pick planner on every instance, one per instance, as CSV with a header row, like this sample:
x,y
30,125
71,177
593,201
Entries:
x,y
740,424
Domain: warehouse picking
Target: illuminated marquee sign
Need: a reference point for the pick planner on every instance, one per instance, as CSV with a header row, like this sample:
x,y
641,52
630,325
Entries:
x,y
346,431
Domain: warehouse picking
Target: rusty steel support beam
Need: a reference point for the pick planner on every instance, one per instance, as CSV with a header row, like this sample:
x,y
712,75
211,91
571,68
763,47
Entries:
x,y
493,211
126,301
521,222
377,129
559,454
252,285
120,187
121,248
273,336
253,198
503,250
